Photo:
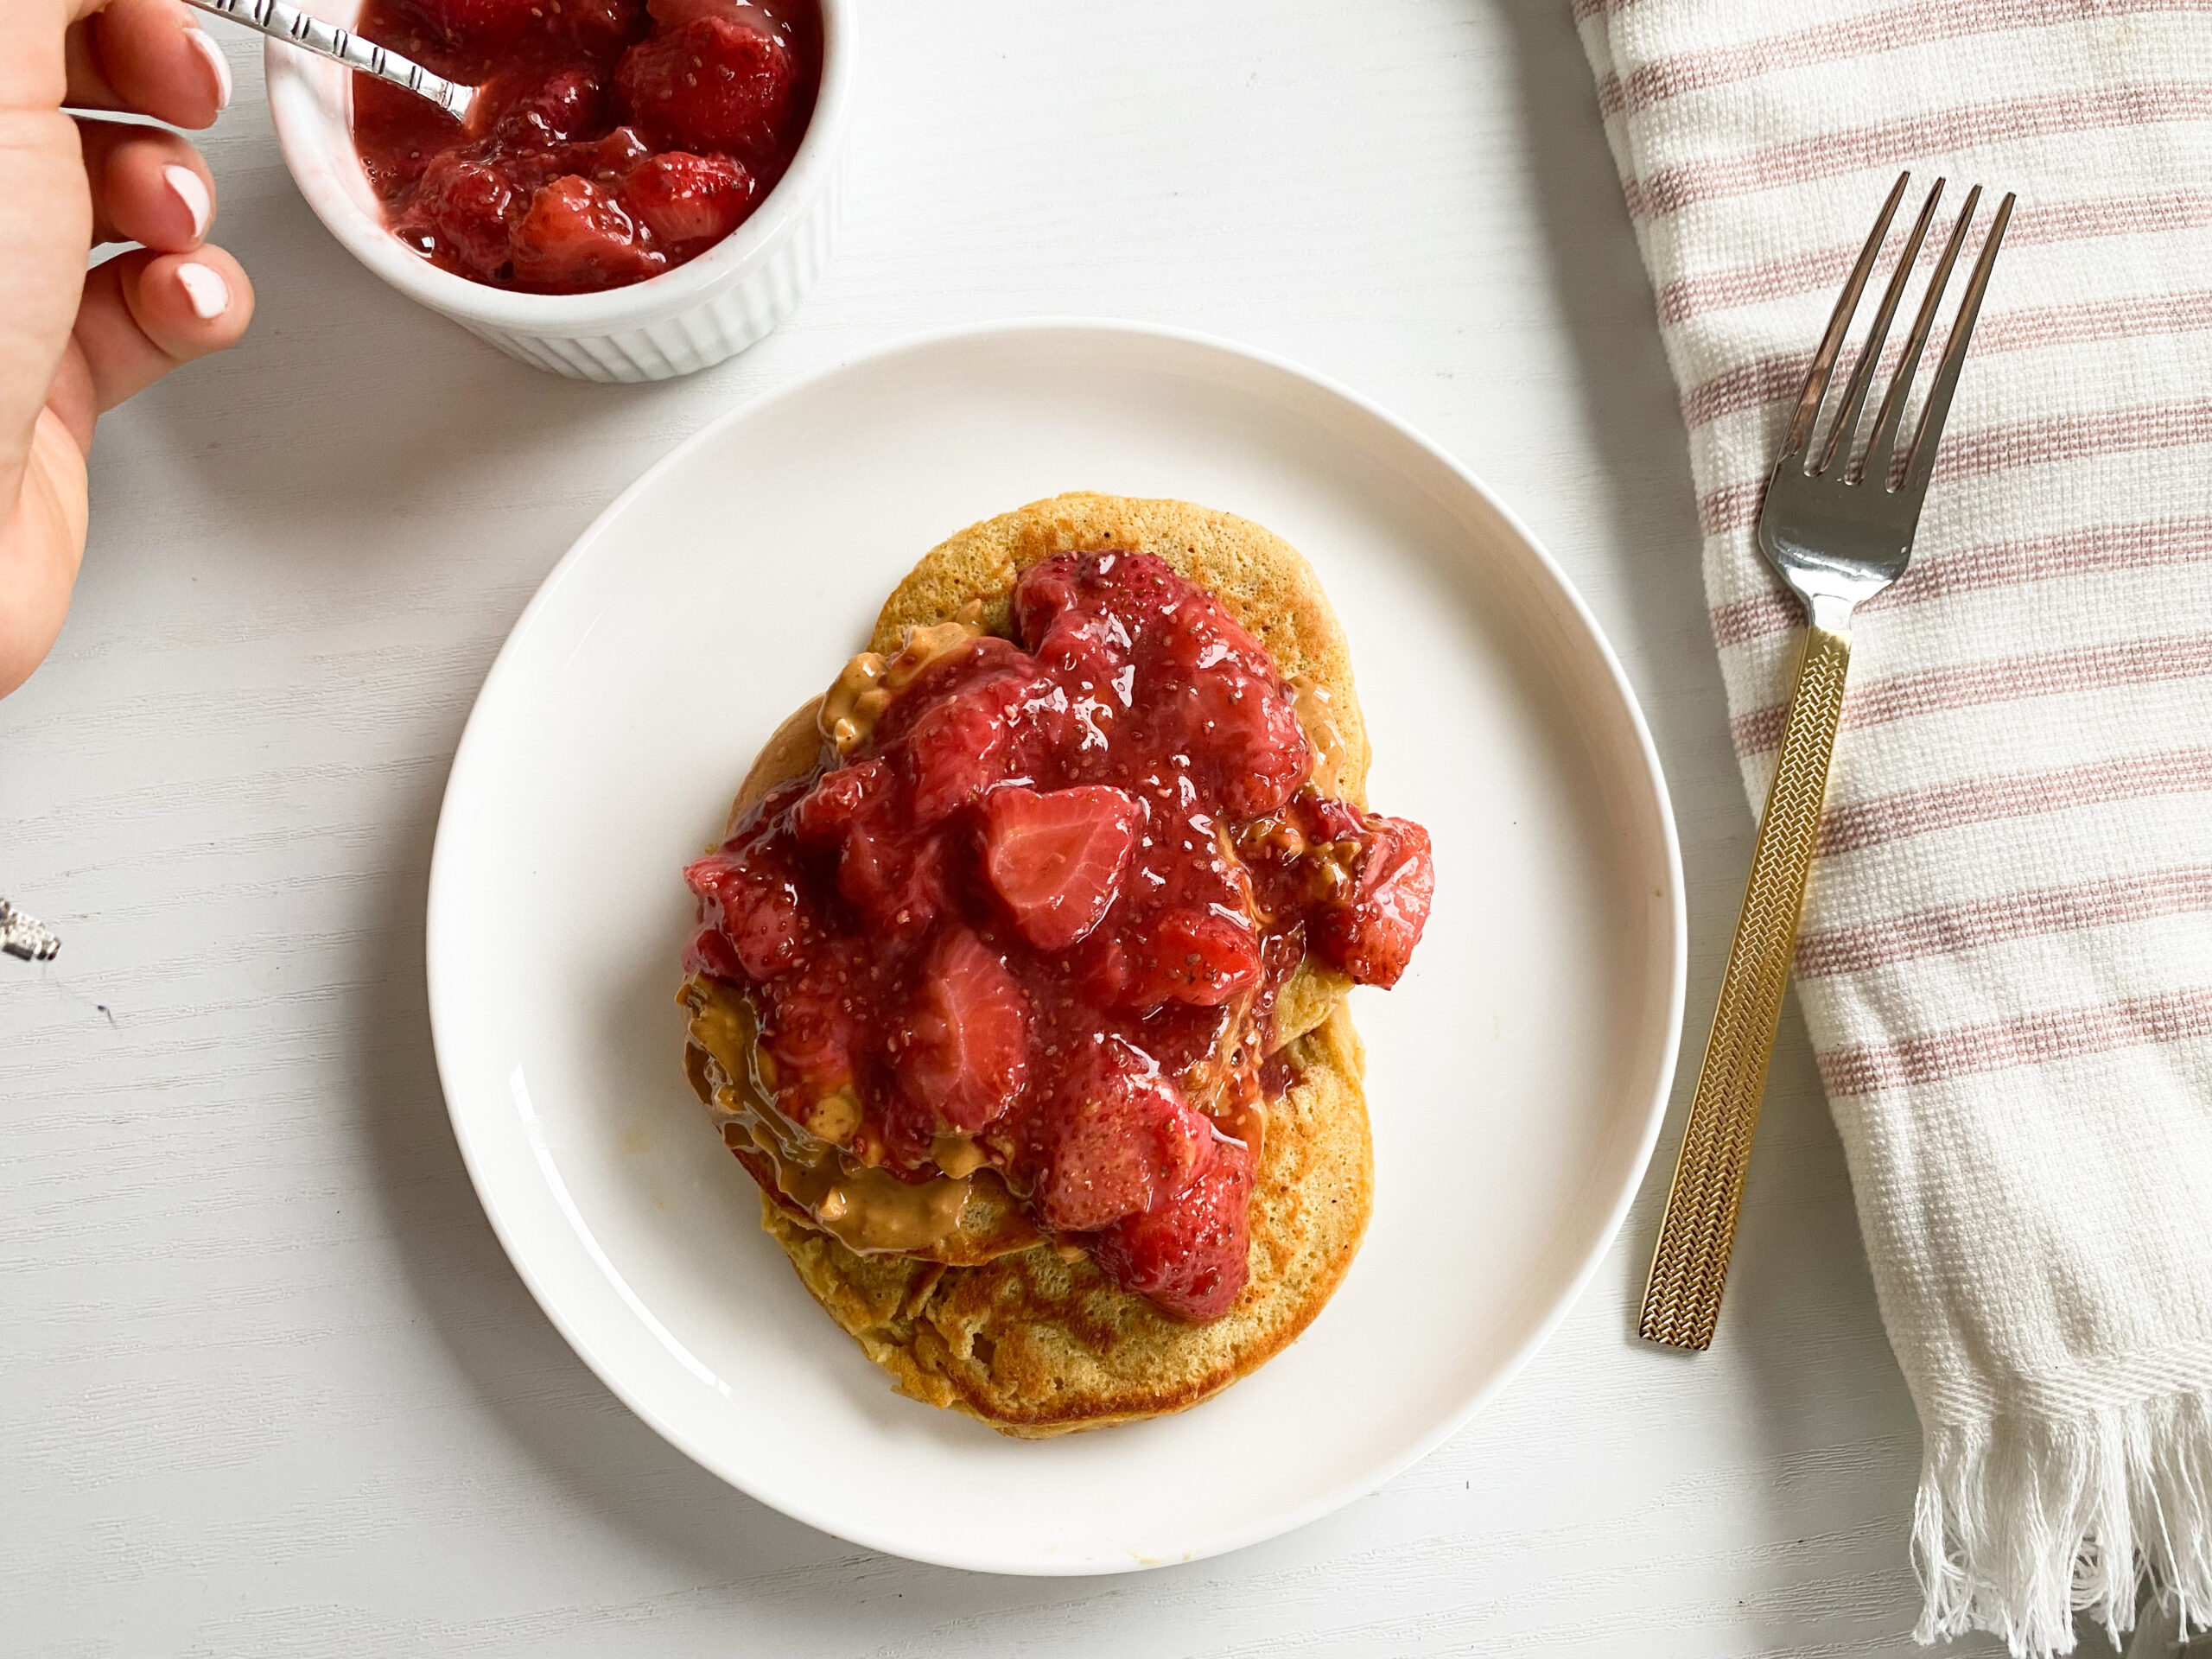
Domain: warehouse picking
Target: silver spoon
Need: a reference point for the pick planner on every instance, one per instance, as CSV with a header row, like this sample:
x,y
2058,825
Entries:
x,y
287,22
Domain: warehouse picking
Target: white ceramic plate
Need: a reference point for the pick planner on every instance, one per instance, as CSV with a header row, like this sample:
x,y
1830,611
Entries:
x,y
1516,1075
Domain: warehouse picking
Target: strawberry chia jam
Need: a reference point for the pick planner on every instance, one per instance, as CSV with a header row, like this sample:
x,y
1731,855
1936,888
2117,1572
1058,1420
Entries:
x,y
1034,904
611,140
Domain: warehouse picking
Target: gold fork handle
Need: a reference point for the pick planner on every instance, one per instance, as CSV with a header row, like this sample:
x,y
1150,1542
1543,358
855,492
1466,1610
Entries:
x,y
1690,1267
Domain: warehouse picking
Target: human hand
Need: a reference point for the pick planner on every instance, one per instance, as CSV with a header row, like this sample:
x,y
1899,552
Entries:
x,y
74,344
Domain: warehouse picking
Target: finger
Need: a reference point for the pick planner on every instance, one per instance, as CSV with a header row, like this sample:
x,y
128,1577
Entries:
x,y
148,185
145,312
147,55
89,87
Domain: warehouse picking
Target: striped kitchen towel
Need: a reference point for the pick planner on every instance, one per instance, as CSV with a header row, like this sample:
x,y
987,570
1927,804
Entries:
x,y
2006,966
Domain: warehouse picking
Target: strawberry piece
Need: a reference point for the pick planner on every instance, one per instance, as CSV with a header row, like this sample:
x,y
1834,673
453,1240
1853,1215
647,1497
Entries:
x,y
601,26
1043,591
1085,649
1324,818
1137,589
1057,859
751,895
811,1026
1199,956
543,110
1246,741
707,952
1190,1255
672,13
1118,1138
1103,971
1089,650
462,208
475,25
1372,935
575,238
608,160
966,1043
958,747
897,884
826,813
894,879
711,83
682,199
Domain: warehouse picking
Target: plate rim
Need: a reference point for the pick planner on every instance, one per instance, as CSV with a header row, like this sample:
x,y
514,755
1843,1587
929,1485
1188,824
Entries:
x,y
472,737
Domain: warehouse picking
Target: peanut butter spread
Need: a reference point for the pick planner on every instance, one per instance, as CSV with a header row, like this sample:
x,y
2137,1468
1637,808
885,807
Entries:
x,y
1316,719
868,1210
869,682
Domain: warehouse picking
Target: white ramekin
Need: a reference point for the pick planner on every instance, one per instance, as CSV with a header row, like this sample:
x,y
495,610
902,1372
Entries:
x,y
695,316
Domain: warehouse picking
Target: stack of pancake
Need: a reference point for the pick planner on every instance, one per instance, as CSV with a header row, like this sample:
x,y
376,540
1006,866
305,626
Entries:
x,y
988,1317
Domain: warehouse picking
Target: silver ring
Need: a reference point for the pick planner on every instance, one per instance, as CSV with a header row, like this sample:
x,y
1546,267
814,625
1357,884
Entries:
x,y
26,937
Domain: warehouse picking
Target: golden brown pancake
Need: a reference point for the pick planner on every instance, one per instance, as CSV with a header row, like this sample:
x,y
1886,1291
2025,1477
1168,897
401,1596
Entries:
x,y
1032,1338
1039,1343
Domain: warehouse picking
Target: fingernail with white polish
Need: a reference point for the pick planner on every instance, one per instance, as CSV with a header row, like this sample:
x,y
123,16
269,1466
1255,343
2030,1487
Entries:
x,y
191,190
209,293
216,60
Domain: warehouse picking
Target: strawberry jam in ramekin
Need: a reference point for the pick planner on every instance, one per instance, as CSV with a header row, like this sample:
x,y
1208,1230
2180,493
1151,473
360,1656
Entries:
x,y
612,139
1033,908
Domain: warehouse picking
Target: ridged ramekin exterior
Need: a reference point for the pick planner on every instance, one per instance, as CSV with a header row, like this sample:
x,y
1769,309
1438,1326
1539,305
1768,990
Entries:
x,y
690,319
720,326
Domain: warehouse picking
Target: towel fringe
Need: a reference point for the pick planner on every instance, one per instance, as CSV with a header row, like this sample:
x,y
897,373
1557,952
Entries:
x,y
2022,1522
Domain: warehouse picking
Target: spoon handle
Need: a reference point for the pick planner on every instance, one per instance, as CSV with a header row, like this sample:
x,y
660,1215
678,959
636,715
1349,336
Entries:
x,y
287,22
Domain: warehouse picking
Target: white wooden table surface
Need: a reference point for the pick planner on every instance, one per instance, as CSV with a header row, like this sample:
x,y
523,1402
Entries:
x,y
268,1384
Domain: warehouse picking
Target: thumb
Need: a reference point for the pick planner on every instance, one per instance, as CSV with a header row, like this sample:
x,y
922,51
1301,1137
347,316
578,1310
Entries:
x,y
41,544
46,222
34,64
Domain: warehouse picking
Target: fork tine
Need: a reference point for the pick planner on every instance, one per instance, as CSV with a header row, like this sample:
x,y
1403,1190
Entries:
x,y
1816,378
1843,435
1881,451
1946,373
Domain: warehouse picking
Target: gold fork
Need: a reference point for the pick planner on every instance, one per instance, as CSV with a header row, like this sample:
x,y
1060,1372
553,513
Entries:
x,y
1837,530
